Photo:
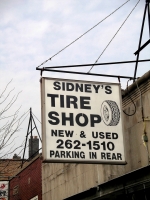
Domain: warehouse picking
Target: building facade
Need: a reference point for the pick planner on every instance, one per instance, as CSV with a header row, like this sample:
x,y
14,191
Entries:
x,y
104,181
27,184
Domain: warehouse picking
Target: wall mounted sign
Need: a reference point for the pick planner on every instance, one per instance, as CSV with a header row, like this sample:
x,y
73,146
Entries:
x,y
4,190
35,198
81,122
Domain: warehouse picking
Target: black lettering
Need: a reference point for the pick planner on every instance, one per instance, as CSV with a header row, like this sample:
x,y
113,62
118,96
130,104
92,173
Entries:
x,y
110,146
108,156
54,133
96,134
108,89
77,146
68,154
96,87
103,155
70,119
62,154
95,119
114,136
79,87
101,135
119,156
83,101
61,133
51,153
85,119
114,156
57,85
62,101
69,86
87,88
63,86
60,145
108,135
57,154
55,119
69,133
71,100
53,96
82,154
76,154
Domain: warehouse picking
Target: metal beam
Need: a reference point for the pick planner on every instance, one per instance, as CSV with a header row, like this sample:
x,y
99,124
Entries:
x,y
91,74
136,65
148,7
142,47
86,65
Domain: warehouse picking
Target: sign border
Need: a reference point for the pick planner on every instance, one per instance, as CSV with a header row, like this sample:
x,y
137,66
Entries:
x,y
42,84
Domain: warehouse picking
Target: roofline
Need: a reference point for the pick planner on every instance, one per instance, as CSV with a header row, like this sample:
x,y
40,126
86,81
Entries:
x,y
138,82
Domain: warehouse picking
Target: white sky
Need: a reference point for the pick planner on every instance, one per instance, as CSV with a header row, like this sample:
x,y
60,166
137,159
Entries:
x,y
33,31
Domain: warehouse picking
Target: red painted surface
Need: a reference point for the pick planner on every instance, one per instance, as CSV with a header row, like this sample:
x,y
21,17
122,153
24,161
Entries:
x,y
28,182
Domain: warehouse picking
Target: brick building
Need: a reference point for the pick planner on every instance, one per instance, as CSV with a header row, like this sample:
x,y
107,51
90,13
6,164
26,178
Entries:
x,y
27,184
9,167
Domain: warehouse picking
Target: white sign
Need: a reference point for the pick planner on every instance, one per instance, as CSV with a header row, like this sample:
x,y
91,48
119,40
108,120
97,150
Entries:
x,y
34,198
4,190
81,122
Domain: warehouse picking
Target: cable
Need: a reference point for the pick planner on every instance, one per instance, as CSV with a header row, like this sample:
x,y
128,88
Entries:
x,y
82,34
141,104
36,117
132,102
113,37
144,136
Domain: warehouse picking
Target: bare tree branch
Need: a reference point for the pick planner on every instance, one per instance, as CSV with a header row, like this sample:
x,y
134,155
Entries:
x,y
9,105
11,122
5,89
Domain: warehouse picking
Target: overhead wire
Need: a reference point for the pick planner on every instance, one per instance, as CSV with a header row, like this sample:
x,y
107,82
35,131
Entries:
x,y
36,117
113,37
131,101
82,34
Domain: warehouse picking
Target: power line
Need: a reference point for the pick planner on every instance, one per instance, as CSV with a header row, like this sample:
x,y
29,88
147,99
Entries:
x,y
82,35
113,37
36,117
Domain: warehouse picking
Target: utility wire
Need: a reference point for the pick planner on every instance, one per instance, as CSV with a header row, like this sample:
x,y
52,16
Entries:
x,y
131,101
113,37
36,117
82,35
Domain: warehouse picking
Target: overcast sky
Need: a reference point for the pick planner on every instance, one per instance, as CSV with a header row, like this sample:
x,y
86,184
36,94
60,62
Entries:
x,y
33,31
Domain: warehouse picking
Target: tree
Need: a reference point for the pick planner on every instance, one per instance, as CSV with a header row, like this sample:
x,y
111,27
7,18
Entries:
x,y
10,121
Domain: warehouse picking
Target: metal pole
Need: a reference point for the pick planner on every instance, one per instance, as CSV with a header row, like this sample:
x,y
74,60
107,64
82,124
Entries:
x,y
31,133
139,43
36,128
148,7
26,141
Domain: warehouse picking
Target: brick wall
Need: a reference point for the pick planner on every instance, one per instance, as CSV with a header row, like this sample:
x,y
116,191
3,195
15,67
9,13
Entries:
x,y
27,184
